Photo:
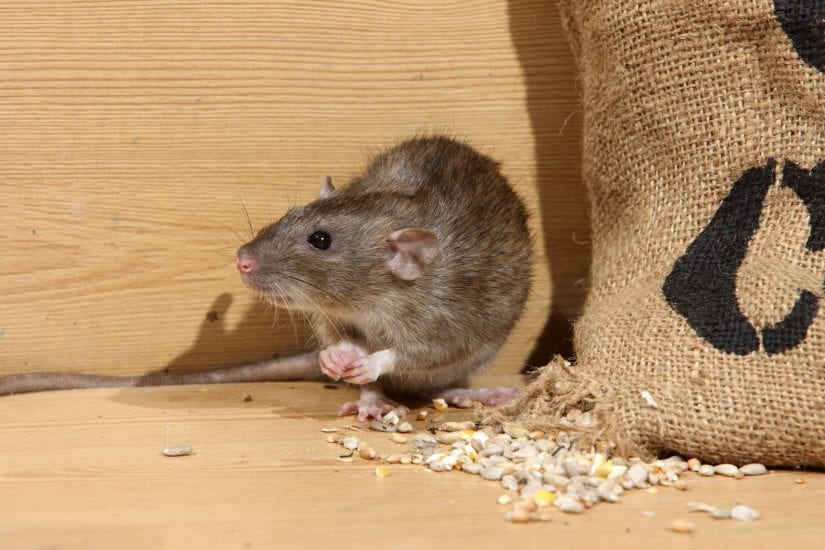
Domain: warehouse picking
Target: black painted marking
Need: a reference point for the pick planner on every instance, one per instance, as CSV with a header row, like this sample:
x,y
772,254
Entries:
x,y
809,185
804,23
791,330
702,285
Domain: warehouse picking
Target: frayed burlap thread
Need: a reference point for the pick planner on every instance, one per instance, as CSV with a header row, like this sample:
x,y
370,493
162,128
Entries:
x,y
556,391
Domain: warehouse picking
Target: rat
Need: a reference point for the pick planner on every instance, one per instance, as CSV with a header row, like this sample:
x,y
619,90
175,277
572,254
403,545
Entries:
x,y
412,277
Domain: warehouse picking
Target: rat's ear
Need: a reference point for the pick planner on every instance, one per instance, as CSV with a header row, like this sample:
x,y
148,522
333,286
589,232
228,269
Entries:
x,y
326,187
410,251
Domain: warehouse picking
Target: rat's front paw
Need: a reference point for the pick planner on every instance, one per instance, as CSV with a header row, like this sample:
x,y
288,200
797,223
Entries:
x,y
367,369
336,360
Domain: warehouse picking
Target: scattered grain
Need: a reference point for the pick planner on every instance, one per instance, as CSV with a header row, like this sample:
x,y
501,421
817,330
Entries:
x,y
367,453
381,471
706,470
569,505
727,470
492,473
638,474
456,426
179,450
526,504
381,426
753,469
515,430
440,405
649,399
740,512
680,525
405,428
519,516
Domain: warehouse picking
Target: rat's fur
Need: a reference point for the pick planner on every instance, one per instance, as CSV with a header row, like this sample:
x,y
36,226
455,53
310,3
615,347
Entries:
x,y
444,324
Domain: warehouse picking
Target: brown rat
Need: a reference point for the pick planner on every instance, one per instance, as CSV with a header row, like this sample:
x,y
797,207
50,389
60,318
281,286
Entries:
x,y
412,277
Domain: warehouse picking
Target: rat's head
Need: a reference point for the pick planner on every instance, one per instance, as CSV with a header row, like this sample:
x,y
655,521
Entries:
x,y
337,252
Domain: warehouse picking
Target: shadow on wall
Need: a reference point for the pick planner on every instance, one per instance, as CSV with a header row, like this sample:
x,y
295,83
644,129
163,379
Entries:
x,y
555,114
218,346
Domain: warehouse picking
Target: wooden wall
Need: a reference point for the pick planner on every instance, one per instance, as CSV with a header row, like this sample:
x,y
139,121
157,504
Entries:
x,y
133,134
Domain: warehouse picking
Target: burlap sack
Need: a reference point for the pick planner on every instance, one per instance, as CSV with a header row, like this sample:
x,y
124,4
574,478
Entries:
x,y
704,148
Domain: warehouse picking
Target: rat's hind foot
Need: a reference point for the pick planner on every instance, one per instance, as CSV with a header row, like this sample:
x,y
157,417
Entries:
x,y
372,404
485,396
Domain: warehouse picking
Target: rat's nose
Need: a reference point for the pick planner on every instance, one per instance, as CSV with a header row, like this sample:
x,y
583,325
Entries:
x,y
246,264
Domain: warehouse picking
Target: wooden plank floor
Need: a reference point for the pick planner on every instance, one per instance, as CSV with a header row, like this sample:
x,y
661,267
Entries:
x,y
83,469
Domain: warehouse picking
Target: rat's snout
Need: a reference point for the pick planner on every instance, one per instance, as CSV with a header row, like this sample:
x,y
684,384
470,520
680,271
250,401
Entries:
x,y
246,263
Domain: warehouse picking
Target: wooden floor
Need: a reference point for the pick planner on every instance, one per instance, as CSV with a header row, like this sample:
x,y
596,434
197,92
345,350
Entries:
x,y
83,469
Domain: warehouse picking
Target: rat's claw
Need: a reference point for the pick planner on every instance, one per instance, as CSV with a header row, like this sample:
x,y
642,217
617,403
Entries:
x,y
365,410
372,404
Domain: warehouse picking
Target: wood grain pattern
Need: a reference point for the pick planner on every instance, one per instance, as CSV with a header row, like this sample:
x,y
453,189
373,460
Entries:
x,y
82,469
136,134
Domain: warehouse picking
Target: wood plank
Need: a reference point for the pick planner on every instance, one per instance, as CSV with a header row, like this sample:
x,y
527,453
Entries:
x,y
137,135
82,469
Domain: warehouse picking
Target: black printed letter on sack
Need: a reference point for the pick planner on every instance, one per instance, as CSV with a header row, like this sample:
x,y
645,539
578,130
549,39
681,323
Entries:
x,y
702,285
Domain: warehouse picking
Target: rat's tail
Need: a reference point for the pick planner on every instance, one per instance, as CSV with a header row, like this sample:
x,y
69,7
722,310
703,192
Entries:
x,y
298,367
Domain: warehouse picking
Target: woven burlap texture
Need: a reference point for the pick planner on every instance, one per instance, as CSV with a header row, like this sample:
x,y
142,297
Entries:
x,y
699,116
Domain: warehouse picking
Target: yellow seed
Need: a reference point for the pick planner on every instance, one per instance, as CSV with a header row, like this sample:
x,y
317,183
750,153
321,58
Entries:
x,y
381,471
504,500
799,481
538,434
439,405
543,497
515,430
680,484
602,468
470,451
398,438
652,491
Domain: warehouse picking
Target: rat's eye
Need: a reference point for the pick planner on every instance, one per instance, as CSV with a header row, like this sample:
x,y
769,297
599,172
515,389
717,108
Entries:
x,y
320,240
